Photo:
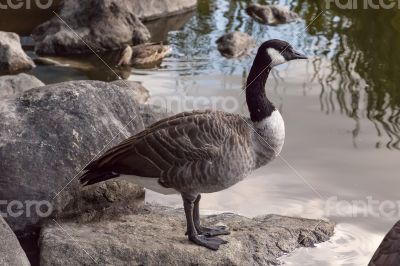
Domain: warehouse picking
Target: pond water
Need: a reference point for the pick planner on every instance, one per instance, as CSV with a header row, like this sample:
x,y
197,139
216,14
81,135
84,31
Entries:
x,y
341,108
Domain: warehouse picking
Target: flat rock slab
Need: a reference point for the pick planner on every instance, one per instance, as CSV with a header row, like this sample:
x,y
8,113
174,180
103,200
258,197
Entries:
x,y
155,236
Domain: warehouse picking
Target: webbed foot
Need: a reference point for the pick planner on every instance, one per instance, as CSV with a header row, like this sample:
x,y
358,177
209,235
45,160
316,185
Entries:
x,y
209,232
212,243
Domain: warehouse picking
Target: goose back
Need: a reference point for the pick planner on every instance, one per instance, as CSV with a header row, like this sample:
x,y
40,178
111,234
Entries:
x,y
204,150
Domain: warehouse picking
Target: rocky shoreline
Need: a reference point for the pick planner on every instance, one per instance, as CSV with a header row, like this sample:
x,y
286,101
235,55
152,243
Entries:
x,y
116,206
155,234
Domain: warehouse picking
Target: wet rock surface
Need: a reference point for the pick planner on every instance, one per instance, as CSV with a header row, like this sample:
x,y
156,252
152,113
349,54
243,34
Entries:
x,y
12,58
155,235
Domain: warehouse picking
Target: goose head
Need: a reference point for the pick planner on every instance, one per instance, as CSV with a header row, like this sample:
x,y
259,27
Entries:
x,y
275,52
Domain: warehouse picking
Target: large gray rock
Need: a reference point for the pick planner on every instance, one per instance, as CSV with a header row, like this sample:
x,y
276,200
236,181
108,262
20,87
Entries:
x,y
153,113
388,252
14,84
154,9
150,113
11,253
140,93
155,236
12,58
102,24
49,134
235,44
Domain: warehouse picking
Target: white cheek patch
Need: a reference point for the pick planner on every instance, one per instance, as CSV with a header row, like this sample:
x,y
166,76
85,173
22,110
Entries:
x,y
276,57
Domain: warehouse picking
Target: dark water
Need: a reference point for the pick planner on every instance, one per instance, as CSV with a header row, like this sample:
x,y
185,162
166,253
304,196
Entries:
x,y
341,107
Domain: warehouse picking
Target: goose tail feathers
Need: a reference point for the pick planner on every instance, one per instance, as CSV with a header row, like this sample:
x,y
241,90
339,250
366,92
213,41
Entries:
x,y
91,177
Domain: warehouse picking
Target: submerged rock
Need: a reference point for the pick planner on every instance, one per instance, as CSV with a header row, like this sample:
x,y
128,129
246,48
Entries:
x,y
154,9
235,44
12,58
11,252
14,84
155,235
271,14
103,25
49,134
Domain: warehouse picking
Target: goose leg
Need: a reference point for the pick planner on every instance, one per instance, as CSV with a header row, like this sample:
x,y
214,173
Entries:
x,y
208,242
217,231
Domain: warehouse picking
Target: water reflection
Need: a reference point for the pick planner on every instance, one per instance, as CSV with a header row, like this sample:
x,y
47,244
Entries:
x,y
363,79
360,78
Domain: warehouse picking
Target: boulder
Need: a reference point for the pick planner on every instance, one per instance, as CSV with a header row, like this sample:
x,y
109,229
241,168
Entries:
x,y
387,254
140,93
271,14
49,134
101,24
235,44
155,236
11,252
154,9
150,113
153,113
12,58
13,85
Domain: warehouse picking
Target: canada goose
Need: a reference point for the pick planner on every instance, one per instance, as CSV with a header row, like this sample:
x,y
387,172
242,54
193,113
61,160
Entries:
x,y
271,14
388,252
203,151
143,54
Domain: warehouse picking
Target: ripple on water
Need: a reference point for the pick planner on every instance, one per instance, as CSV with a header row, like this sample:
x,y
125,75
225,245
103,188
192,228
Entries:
x,y
350,245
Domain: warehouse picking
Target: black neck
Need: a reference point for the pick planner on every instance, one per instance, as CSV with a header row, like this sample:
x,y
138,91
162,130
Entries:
x,y
257,102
